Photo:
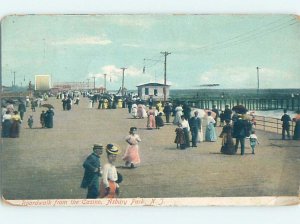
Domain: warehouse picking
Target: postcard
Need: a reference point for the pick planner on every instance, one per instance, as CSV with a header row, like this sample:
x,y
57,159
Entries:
x,y
150,110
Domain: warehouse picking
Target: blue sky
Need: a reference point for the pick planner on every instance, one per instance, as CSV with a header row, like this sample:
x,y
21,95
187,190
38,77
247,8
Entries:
x,y
205,49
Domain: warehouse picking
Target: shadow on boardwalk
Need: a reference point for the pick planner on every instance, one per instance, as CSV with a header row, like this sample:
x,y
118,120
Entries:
x,y
47,164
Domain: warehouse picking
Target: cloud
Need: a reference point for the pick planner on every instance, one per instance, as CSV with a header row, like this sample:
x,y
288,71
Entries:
x,y
84,41
131,45
114,73
246,77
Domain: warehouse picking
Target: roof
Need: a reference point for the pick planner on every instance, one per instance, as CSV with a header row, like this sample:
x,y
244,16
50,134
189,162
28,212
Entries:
x,y
152,84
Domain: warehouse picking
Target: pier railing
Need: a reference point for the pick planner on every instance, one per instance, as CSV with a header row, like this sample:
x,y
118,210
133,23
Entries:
x,y
271,124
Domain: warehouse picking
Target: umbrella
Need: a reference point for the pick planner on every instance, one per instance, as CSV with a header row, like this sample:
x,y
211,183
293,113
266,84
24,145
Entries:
x,y
201,113
10,101
213,114
48,105
240,109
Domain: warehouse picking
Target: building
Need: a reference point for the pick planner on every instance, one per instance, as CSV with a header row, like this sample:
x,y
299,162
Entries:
x,y
156,90
42,82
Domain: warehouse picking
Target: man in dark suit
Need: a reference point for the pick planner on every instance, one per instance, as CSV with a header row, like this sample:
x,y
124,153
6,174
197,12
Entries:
x,y
92,172
241,130
285,124
195,126
167,111
227,113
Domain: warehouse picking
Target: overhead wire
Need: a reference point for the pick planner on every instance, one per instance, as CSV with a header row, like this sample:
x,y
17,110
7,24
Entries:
x,y
245,37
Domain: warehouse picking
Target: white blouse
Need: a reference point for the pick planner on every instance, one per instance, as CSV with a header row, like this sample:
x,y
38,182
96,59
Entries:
x,y
185,124
133,139
109,173
210,119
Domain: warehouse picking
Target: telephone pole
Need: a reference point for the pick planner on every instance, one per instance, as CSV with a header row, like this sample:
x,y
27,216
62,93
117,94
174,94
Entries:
x,y
88,84
257,79
14,79
165,74
123,81
105,82
94,82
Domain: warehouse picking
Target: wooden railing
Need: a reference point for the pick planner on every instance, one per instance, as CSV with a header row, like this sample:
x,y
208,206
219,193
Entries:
x,y
272,124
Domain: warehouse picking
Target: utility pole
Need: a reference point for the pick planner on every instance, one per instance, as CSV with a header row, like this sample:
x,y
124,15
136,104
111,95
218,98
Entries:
x,y
257,79
123,81
94,82
88,84
14,79
165,74
105,81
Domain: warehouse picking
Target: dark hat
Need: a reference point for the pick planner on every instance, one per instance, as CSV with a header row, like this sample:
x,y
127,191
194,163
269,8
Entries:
x,y
97,146
112,149
133,129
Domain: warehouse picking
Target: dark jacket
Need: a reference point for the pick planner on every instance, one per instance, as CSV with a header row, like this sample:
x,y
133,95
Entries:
x,y
227,114
90,164
167,109
241,128
195,123
285,120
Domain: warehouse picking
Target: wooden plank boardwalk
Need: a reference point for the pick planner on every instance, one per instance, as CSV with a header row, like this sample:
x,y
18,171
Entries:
x,y
47,163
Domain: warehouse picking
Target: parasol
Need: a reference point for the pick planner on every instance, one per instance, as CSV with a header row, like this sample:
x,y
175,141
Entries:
x,y
213,114
201,113
48,106
10,101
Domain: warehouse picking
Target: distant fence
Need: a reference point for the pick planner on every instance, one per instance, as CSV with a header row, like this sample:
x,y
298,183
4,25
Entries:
x,y
272,124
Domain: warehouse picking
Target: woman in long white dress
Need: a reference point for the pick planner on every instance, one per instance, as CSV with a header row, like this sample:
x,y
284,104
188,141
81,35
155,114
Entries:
x,y
179,113
210,134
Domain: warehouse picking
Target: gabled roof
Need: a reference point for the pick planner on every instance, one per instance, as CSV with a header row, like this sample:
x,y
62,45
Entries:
x,y
152,84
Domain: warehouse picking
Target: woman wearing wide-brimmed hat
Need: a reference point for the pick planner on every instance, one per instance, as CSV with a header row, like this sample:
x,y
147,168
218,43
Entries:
x,y
109,187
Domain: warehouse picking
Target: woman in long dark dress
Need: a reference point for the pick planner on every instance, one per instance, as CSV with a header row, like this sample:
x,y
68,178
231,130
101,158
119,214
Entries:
x,y
296,119
15,126
49,118
6,125
227,141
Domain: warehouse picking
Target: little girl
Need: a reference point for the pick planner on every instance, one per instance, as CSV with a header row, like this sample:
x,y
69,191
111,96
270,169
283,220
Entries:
x,y
131,156
180,139
30,121
253,141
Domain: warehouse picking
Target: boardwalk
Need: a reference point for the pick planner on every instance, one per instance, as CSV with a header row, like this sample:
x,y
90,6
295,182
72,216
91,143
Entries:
x,y
47,163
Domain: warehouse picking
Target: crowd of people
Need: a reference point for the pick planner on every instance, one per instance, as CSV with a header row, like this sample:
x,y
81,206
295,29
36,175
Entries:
x,y
192,126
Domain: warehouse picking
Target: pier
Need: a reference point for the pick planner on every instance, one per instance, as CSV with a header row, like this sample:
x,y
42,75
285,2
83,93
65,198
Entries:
x,y
47,163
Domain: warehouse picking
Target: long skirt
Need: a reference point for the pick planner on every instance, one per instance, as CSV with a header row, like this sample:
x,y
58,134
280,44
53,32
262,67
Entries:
x,y
228,146
177,118
15,129
134,112
112,189
151,122
297,131
139,112
210,134
6,126
132,154
200,135
186,137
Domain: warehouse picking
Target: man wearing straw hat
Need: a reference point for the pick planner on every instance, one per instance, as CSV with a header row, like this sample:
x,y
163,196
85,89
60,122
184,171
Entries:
x,y
92,172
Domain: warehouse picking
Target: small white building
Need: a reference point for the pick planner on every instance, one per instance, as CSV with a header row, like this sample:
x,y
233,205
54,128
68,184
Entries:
x,y
156,90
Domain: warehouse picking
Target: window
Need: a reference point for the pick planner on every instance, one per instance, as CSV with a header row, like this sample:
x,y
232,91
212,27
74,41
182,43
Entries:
x,y
146,91
155,92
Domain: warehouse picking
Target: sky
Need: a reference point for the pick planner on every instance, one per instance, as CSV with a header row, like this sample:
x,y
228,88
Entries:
x,y
204,49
